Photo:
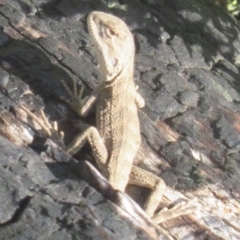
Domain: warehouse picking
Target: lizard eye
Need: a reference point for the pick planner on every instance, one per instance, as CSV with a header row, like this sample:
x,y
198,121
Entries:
x,y
110,33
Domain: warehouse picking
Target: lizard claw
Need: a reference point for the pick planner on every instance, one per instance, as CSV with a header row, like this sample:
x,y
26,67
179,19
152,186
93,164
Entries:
x,y
76,100
52,127
49,129
179,209
73,93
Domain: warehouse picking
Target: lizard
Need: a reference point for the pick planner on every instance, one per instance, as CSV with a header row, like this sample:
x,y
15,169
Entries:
x,y
116,138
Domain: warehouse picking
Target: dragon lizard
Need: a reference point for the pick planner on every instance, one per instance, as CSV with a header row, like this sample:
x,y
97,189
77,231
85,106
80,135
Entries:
x,y
116,138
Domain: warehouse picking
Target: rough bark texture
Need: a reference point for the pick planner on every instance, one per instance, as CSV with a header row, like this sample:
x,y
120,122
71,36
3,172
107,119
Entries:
x,y
187,69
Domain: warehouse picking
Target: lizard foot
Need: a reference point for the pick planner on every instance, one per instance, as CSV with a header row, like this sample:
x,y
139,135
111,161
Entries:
x,y
76,100
179,209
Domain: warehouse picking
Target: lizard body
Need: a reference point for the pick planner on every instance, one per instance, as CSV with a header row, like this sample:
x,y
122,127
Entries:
x,y
117,99
116,139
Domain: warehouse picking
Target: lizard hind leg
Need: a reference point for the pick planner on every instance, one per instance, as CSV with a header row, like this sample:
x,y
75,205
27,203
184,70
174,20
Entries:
x,y
144,178
99,150
147,179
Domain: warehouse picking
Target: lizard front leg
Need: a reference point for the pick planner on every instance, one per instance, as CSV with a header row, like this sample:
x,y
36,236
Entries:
x,y
139,99
82,107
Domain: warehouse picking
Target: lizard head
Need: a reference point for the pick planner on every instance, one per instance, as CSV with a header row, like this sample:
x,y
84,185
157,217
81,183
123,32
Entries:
x,y
113,42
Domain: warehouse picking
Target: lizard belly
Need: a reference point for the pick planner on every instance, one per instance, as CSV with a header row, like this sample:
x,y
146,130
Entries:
x,y
118,125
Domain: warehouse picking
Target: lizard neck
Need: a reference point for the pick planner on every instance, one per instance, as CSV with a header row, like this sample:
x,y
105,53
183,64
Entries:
x,y
126,74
